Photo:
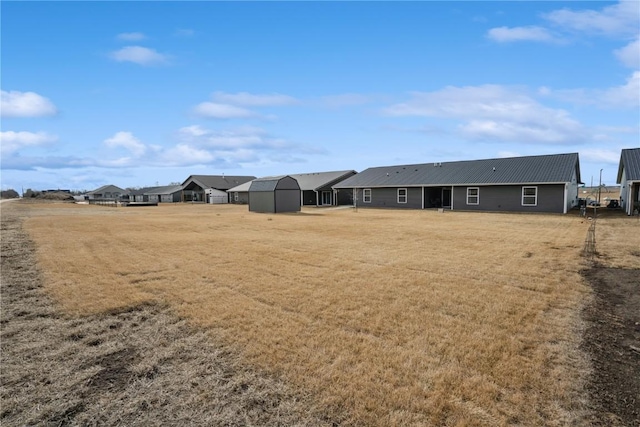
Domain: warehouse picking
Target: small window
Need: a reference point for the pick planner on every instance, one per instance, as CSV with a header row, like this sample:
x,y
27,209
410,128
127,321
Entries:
x,y
235,196
529,196
366,195
473,195
402,195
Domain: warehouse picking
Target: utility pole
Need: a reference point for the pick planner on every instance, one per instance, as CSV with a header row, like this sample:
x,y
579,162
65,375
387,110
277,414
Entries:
x,y
600,186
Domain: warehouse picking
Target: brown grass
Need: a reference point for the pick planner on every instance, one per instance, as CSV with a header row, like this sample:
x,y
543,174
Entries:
x,y
386,317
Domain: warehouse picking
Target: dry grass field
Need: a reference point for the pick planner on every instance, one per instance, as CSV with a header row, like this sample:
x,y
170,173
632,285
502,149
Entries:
x,y
382,317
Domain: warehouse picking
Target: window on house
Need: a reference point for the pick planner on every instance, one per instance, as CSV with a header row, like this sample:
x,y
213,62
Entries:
x,y
235,196
473,195
402,195
366,195
529,196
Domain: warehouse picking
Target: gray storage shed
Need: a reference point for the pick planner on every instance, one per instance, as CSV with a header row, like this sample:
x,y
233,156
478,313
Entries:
x,y
274,194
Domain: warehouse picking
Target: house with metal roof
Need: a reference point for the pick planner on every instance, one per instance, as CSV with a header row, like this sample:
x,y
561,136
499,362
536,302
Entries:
x,y
629,180
107,192
165,194
210,188
140,194
547,183
274,194
316,188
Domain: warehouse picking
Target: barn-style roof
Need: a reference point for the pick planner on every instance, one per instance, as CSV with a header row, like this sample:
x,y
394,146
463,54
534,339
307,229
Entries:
x,y
219,182
547,169
630,163
271,183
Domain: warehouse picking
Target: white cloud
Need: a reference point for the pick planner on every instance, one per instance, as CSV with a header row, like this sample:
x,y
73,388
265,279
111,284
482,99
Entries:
x,y
630,54
25,104
494,112
222,111
600,155
246,99
627,95
131,36
139,55
13,141
127,141
505,154
615,20
623,97
513,34
185,155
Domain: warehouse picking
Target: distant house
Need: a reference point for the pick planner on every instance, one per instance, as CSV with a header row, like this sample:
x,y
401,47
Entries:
x,y
629,180
316,189
140,194
546,183
240,193
210,188
166,194
108,192
274,195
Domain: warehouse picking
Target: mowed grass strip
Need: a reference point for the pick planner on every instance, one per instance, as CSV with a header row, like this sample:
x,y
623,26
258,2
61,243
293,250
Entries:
x,y
388,317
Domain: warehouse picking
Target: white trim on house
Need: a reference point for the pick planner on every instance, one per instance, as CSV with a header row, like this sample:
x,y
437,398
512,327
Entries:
x,y
472,196
399,196
365,196
535,196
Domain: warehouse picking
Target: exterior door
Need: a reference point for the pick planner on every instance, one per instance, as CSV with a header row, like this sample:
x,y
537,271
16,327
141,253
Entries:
x,y
446,197
326,198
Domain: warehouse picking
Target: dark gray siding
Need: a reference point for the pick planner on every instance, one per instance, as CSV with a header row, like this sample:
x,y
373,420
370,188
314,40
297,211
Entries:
x,y
262,201
509,198
309,197
287,200
345,197
243,197
388,198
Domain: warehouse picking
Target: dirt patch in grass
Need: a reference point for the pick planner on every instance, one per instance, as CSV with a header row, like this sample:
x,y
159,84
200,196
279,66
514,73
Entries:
x,y
140,365
613,341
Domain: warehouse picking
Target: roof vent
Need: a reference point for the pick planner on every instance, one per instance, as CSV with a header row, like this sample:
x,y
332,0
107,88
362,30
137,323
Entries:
x,y
494,169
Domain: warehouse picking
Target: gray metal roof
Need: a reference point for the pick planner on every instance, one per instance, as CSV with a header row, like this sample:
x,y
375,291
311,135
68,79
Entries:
x,y
556,168
219,182
307,181
108,189
141,191
167,189
269,183
630,161
317,180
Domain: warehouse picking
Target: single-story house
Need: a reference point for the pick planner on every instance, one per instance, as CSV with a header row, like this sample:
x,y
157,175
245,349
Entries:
x,y
108,192
547,183
316,189
210,188
274,195
140,194
240,193
629,180
166,194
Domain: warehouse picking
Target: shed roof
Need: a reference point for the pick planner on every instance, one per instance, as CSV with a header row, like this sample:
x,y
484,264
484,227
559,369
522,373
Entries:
x,y
630,163
555,168
269,183
219,182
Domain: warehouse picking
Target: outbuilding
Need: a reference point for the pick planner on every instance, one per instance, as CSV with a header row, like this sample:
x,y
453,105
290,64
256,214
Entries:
x,y
274,194
629,180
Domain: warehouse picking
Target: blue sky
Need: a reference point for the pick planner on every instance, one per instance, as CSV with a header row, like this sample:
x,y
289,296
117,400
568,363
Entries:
x,y
146,93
